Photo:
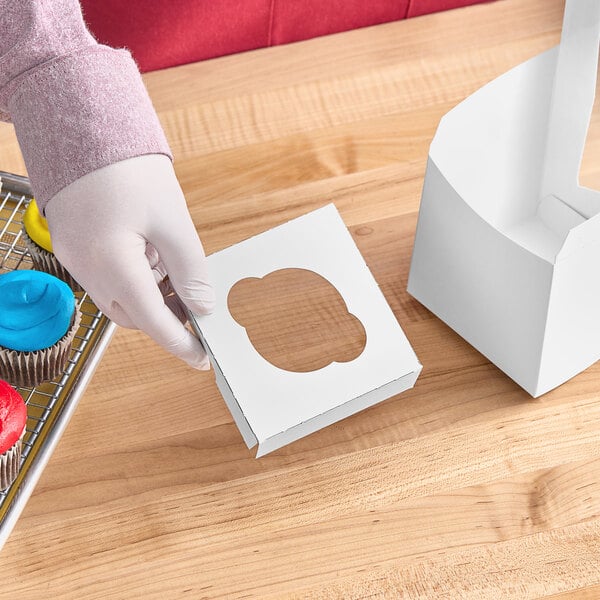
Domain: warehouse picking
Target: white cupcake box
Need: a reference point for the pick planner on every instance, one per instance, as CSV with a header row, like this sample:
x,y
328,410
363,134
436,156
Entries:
x,y
271,406
507,249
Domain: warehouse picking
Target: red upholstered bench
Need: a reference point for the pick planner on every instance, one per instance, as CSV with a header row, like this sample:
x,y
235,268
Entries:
x,y
164,33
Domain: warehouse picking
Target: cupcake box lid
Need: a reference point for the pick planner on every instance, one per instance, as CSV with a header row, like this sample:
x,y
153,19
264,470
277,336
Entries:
x,y
273,406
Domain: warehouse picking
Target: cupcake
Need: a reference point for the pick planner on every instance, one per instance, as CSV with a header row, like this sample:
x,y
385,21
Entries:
x,y
38,321
13,417
36,236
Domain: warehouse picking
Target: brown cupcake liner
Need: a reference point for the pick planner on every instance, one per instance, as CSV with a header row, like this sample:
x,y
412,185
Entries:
x,y
47,262
10,463
28,369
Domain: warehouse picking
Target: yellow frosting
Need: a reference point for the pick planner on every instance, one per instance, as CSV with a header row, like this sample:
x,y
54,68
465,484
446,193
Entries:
x,y
37,227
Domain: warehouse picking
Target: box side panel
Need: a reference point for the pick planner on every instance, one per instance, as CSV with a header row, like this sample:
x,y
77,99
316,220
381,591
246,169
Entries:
x,y
490,147
337,414
234,408
572,340
488,289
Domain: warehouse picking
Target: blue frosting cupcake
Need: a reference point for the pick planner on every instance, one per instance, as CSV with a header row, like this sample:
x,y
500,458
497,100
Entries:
x,y
38,320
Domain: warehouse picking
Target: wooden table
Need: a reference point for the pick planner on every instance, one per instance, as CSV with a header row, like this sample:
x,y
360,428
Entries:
x,y
464,487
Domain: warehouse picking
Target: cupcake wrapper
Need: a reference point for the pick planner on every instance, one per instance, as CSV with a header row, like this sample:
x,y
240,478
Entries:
x,y
47,262
28,369
10,463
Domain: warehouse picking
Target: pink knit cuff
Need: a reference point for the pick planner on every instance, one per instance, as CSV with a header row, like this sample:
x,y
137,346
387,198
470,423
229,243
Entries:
x,y
80,112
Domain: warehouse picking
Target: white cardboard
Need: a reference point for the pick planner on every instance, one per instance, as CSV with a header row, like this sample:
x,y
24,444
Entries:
x,y
271,406
507,249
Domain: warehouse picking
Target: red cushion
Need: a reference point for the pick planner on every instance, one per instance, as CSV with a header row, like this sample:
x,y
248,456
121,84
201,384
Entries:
x,y
304,19
164,33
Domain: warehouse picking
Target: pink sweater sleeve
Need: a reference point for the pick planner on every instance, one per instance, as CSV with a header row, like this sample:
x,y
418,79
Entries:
x,y
76,105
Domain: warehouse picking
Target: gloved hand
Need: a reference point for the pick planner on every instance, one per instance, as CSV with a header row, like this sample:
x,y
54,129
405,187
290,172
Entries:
x,y
125,234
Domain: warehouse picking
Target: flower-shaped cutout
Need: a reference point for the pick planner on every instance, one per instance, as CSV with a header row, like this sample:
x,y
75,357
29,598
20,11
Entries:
x,y
296,320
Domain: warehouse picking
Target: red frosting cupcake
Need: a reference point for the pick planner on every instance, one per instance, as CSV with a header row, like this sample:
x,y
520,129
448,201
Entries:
x,y
13,416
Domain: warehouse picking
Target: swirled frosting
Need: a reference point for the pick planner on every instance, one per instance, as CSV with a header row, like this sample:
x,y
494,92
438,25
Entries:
x,y
35,310
13,415
36,226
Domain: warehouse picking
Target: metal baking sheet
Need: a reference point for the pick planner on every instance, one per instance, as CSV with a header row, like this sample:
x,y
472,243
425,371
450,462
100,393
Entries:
x,y
51,404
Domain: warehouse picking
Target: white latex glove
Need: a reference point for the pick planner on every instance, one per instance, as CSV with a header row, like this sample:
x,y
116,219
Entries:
x,y
120,231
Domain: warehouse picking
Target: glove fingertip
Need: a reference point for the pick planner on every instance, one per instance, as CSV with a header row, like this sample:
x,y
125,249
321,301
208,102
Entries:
x,y
203,304
204,365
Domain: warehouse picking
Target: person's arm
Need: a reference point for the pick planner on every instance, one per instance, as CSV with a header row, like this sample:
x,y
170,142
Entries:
x,y
100,168
76,105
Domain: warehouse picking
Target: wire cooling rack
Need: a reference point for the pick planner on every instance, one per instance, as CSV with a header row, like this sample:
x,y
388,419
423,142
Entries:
x,y
51,404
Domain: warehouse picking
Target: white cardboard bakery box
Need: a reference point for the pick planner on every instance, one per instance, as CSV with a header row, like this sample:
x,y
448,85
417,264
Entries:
x,y
507,248
271,406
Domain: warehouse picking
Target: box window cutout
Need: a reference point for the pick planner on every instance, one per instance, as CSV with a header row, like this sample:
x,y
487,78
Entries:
x,y
296,320
589,170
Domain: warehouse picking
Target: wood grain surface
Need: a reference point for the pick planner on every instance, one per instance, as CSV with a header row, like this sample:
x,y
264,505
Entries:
x,y
464,487
296,320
